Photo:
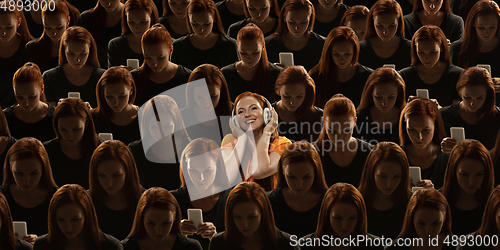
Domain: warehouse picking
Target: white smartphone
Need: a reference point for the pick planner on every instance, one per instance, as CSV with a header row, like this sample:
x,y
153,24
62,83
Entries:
x,y
21,229
106,136
195,215
133,63
286,58
486,66
423,93
457,133
415,175
414,189
74,94
392,66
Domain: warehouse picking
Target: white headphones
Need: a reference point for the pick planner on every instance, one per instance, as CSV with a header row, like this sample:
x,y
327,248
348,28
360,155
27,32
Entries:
x,y
267,114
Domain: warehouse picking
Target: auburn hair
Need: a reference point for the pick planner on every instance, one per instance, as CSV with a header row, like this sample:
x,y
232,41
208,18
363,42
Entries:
x,y
418,6
429,198
22,30
29,73
4,126
420,107
383,75
326,70
274,9
489,225
254,193
385,7
356,12
338,105
289,5
474,150
197,6
95,19
263,104
29,148
159,198
73,194
432,33
145,5
302,152
7,234
213,77
114,150
78,34
386,152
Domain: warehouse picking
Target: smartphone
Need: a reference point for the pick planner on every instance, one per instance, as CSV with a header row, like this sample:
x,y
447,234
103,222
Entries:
x,y
106,136
286,58
133,63
486,66
415,175
21,229
457,133
392,66
423,93
74,94
195,215
414,189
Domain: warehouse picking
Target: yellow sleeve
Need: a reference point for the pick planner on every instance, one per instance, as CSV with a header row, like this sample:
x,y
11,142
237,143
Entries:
x,y
279,145
228,142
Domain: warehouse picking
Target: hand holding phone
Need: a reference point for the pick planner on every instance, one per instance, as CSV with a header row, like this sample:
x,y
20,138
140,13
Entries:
x,y
457,133
106,136
21,229
195,215
423,93
286,58
415,175
485,66
133,63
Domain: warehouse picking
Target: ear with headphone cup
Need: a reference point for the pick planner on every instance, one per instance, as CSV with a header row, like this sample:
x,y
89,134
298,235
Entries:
x,y
235,121
267,116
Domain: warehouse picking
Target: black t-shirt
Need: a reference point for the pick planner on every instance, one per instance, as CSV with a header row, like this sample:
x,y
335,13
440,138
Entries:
x,y
444,90
308,56
436,171
223,53
201,130
406,6
452,25
181,243
29,56
9,67
57,85
115,223
324,29
127,134
237,85
166,23
36,29
119,51
289,220
226,16
10,142
23,245
466,222
41,130
401,58
218,242
368,130
108,242
64,169
36,217
306,130
237,26
386,223
214,215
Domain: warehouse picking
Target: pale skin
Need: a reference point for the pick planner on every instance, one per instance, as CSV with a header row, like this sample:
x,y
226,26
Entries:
x,y
422,151
177,19
54,27
113,11
386,42
297,22
326,11
250,52
259,11
298,193
202,24
29,108
429,222
9,40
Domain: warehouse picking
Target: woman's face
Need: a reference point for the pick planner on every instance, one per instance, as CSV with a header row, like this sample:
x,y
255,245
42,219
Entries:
x,y
339,129
109,5
343,218
299,176
385,96
250,52
167,125
473,97
486,27
158,223
428,51
117,96
359,26
497,218
54,26
470,175
247,216
202,23
386,26
71,129
420,129
432,7
28,96
293,95
327,4
388,175
8,26
297,22
342,54
259,9
202,170
179,7
156,56
27,173
202,101
250,113
70,220
428,222
138,22
111,175
77,53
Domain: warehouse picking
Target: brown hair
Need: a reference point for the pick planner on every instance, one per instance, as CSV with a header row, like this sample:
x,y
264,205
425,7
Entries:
x,y
197,6
4,126
421,107
338,105
95,20
289,5
357,12
22,29
274,9
145,5
489,225
78,34
385,7
383,75
29,73
7,236
433,33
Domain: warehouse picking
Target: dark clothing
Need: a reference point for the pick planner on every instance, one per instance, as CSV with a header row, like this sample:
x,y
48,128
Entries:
x,y
219,243
324,29
367,3
237,26
181,243
127,134
368,130
227,17
108,242
36,30
237,85
23,245
10,142
308,56
401,58
307,130
64,169
36,217
115,223
57,85
41,130
214,215
200,130
44,63
406,6
119,51
452,26
223,53
164,21
444,90
386,223
9,67
466,222
436,171
303,222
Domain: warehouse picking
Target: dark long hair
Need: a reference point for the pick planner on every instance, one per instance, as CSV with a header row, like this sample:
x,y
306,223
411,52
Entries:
x,y
95,20
7,236
420,107
432,33
22,30
282,30
79,34
146,5
383,75
385,7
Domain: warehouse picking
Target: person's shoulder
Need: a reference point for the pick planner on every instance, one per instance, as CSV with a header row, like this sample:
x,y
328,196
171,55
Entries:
x,y
362,69
179,193
449,109
364,43
407,71
282,140
454,69
456,45
218,241
110,242
405,42
225,40
53,71
455,19
228,139
317,37
271,39
184,243
4,189
99,70
285,240
411,16
51,143
9,111
183,70
31,43
238,25
118,40
181,41
42,242
129,244
229,68
23,245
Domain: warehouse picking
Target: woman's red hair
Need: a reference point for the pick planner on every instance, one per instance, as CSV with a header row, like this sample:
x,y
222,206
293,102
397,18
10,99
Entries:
x,y
433,33
274,12
385,7
4,126
381,76
29,73
419,107
22,30
78,34
357,12
7,236
338,105
145,5
95,20
489,225
197,6
417,6
282,30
